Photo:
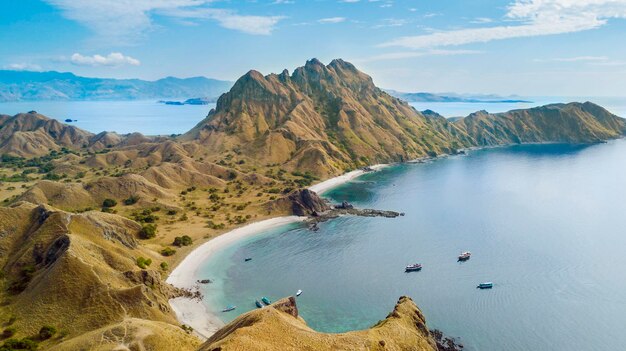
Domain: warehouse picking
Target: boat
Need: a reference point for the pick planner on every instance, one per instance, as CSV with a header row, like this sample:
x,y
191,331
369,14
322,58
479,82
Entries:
x,y
464,256
299,292
413,267
485,285
258,304
266,300
248,259
229,308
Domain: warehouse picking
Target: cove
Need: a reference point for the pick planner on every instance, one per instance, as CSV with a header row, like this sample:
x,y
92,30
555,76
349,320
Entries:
x,y
545,223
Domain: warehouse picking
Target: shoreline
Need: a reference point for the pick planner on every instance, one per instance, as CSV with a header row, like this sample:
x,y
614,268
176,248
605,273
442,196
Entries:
x,y
193,312
328,184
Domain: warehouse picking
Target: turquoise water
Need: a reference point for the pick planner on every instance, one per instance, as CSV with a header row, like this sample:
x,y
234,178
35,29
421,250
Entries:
x,y
545,223
146,117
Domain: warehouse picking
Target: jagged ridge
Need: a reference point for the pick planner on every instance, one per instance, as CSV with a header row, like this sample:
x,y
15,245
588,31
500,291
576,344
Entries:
x,y
326,119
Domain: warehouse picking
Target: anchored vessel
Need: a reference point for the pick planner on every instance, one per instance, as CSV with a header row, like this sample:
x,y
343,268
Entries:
x,y
464,256
229,308
413,267
485,285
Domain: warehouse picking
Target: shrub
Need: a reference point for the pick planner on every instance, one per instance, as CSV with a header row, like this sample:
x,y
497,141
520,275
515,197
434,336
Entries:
x,y
46,332
109,203
143,263
164,266
8,332
168,251
184,240
131,200
148,231
171,212
22,344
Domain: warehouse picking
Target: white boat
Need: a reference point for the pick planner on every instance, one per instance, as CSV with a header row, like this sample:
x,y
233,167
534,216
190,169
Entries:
x,y
464,256
299,292
413,267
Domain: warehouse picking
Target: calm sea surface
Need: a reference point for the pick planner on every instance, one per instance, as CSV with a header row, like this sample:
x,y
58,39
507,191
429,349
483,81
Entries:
x,y
146,117
152,118
545,223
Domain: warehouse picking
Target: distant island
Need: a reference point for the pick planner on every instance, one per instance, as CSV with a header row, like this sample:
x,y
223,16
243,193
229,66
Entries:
x,y
194,101
453,97
65,86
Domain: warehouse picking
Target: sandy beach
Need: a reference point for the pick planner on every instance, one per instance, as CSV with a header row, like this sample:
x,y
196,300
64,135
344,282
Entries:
x,y
326,185
193,312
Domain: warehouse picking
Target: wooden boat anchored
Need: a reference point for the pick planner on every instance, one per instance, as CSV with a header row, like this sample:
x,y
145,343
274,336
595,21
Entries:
x,y
229,308
258,304
413,267
266,300
485,285
299,292
247,259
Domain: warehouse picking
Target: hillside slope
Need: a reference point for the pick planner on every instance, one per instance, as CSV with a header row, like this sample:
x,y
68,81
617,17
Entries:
x,y
58,266
566,123
32,134
327,119
322,119
279,327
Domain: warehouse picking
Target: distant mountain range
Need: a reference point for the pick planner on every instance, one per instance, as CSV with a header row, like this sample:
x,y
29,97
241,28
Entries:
x,y
453,97
30,86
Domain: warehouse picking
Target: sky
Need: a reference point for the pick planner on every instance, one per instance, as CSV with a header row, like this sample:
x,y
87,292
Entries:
x,y
506,47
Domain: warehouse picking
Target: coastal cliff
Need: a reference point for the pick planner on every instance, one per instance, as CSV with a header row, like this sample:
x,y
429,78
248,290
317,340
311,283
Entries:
x,y
279,327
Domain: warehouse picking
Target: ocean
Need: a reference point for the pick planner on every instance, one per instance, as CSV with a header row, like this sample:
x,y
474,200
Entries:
x,y
543,222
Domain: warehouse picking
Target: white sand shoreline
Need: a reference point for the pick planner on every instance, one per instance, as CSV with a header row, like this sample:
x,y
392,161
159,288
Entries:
x,y
326,185
193,312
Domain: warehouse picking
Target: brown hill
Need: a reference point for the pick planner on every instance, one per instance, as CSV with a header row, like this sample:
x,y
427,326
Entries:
x,y
59,266
325,119
567,123
322,119
279,327
31,134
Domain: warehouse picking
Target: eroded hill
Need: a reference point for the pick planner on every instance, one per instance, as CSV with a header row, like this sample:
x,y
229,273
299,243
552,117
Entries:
x,y
279,327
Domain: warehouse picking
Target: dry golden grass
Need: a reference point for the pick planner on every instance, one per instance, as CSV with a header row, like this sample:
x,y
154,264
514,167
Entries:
x,y
279,327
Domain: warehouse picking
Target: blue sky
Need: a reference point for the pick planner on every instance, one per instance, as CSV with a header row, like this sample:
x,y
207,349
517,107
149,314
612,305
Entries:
x,y
525,47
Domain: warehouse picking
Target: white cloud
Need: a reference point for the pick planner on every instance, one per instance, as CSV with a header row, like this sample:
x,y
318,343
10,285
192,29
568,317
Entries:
x,y
113,59
125,20
413,54
574,59
391,22
23,67
589,60
257,25
332,20
536,18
